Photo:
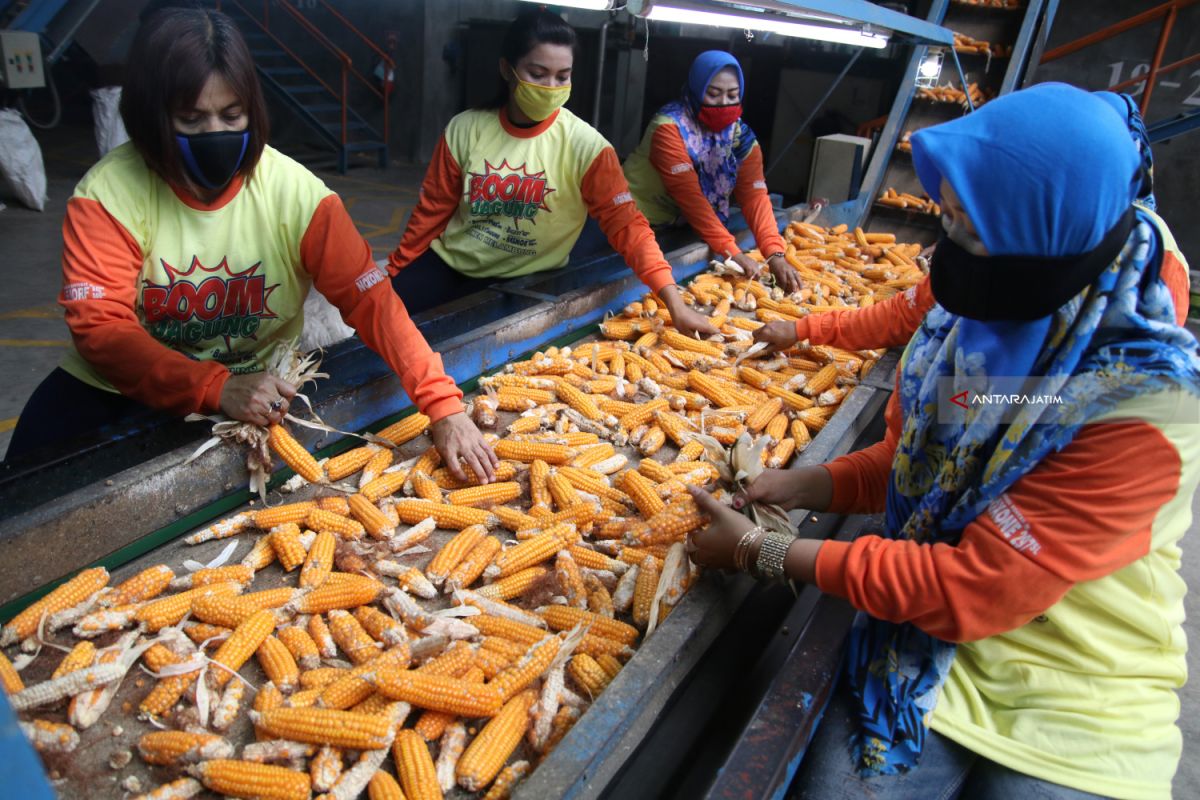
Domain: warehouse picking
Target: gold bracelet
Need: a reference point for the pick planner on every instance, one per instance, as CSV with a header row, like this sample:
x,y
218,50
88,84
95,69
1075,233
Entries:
x,y
741,553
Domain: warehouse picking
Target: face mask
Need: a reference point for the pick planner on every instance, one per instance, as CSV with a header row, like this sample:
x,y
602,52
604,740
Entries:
x,y
957,232
212,159
539,102
1017,288
718,118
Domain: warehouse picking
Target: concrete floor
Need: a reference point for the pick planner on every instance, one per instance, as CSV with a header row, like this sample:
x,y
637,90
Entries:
x,y
32,333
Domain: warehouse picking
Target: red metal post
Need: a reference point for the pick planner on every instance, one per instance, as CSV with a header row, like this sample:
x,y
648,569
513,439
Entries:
x,y
1165,34
345,94
1174,65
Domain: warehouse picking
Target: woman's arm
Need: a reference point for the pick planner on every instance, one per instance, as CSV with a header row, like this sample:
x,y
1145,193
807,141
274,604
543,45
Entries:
x,y
440,194
750,191
101,265
891,323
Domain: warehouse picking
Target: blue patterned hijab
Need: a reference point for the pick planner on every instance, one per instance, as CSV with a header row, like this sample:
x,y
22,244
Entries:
x,y
1042,172
716,155
1127,109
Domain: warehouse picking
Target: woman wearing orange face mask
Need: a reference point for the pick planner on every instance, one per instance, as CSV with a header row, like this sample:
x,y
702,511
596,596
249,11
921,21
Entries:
x,y
511,185
697,155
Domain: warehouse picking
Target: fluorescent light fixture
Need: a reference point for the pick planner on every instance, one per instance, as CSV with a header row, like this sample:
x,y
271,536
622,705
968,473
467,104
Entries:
x,y
930,69
589,5
763,22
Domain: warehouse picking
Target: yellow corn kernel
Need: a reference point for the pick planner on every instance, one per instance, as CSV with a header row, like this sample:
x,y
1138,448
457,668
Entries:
x,y
203,633
790,399
277,662
371,518
318,631
69,595
800,435
445,480
570,579
562,492
512,519
501,788
763,414
528,668
81,657
467,571
588,674
438,692
642,492
340,590
146,585
454,551
270,518
336,504
301,647
532,551
241,644
643,593
294,454
424,487
327,726
158,614
485,756
677,341
445,516
326,767
415,766
248,779
350,462
350,636
10,679
821,381
384,787
563,618
353,687
432,724
533,451
598,601
319,561
514,585
168,748
653,441
383,486
405,430
285,541
261,555
230,612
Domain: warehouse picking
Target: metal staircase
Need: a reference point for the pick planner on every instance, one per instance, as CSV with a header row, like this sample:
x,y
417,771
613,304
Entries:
x,y
320,101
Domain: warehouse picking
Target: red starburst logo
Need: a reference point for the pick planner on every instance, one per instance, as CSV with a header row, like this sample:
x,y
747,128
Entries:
x,y
200,302
508,191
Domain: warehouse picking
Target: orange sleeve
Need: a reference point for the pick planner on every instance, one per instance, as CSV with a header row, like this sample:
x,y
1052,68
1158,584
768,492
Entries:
x,y
1175,276
751,194
440,194
670,157
101,265
860,479
888,324
339,260
1081,514
608,199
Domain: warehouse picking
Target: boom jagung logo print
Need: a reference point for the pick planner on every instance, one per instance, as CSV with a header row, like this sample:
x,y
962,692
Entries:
x,y
508,191
202,303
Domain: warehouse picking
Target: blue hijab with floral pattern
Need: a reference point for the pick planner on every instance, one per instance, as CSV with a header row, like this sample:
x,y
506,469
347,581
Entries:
x,y
716,155
1042,172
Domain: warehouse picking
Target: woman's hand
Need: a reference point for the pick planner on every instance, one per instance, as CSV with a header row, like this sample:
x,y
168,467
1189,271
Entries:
x,y
748,265
714,546
780,334
686,320
805,487
257,398
455,438
786,276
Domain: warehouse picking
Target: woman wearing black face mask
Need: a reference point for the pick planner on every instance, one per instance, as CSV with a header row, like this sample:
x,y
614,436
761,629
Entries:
x,y
1020,632
697,155
189,251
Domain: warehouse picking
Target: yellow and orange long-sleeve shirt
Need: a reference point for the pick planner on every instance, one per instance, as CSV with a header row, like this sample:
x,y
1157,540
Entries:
x,y
166,296
1065,597
500,200
894,321
664,184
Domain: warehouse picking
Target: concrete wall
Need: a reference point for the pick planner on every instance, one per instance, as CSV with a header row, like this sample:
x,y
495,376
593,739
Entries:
x,y
1177,162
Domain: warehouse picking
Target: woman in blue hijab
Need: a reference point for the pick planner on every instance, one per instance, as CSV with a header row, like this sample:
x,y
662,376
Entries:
x,y
698,157
1020,630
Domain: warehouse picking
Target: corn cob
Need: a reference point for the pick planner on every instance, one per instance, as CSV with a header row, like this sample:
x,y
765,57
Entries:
x,y
532,551
318,631
763,414
350,461
781,454
371,518
653,471
446,480
285,541
467,571
158,614
320,677
384,787
204,634
247,779
278,664
241,644
528,668
641,491
320,520
570,579
81,656
270,518
353,687
227,708
384,485
11,681
319,561
512,519
300,646
534,451
405,430
501,788
325,769
70,594
380,626
453,552
268,697
486,495
294,454
172,748
146,585
437,692
416,769
446,516
277,750
230,612
340,590
563,618
423,486
305,698
325,726
588,674
643,594
792,400
222,530
261,555
351,638
485,756
180,789
776,429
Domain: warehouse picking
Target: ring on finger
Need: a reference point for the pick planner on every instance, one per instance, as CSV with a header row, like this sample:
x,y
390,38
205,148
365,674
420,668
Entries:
x,y
277,404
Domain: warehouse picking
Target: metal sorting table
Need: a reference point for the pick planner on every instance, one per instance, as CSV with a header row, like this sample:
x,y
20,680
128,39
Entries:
x,y
669,704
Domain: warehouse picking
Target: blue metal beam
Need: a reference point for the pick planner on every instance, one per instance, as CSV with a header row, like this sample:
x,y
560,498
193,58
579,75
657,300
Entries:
x,y
38,15
1176,126
918,30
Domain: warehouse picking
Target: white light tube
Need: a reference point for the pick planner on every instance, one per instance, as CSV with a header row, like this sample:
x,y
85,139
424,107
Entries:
x,y
589,5
771,24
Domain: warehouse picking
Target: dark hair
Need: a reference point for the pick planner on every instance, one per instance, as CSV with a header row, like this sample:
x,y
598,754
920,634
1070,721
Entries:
x,y
527,31
173,54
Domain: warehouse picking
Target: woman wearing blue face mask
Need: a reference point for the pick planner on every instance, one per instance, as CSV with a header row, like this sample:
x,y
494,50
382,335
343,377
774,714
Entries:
x,y
1020,628
511,185
188,253
697,156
